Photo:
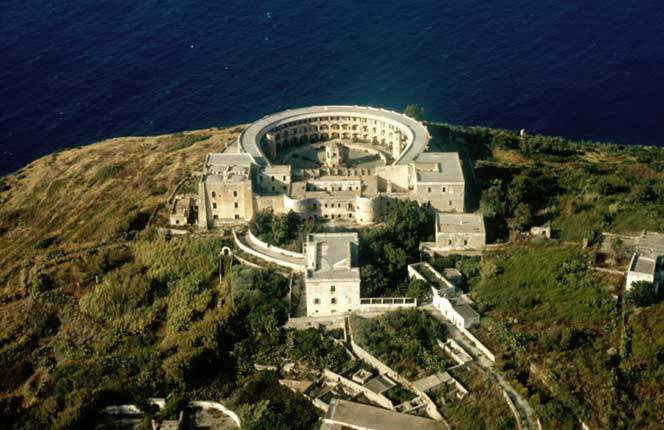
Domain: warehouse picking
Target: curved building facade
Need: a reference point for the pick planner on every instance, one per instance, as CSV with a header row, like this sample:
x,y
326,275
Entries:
x,y
404,137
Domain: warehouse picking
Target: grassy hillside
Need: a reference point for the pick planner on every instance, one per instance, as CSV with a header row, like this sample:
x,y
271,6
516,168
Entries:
x,y
95,307
101,194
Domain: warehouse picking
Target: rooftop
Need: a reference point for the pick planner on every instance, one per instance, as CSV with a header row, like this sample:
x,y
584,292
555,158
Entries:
x,y
227,167
332,255
439,167
432,381
251,137
643,264
379,384
460,223
466,311
651,242
358,416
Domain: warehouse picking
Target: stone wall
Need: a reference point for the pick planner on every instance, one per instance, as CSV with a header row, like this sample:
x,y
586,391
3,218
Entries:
x,y
219,407
357,388
262,256
273,248
365,355
479,345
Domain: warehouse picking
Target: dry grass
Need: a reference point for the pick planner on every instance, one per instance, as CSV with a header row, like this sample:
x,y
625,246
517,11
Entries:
x,y
80,197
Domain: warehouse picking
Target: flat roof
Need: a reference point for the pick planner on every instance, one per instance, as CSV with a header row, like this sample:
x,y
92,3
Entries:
x,y
342,412
379,384
438,167
432,381
460,223
334,255
652,242
465,311
641,264
251,137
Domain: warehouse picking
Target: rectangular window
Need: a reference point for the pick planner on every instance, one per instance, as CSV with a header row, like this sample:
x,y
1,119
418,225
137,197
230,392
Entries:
x,y
214,206
444,189
216,217
234,193
284,178
429,189
214,194
334,301
316,301
450,202
237,216
236,205
465,242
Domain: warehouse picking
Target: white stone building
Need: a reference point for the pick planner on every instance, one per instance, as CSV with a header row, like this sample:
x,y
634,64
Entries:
x,y
332,281
646,263
234,186
459,232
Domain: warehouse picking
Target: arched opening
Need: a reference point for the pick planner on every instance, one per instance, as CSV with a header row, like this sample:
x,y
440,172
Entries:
x,y
324,136
335,135
313,137
304,139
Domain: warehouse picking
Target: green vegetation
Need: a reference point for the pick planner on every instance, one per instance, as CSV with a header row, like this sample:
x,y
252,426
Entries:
x,y
96,308
404,340
105,173
281,230
553,327
414,111
642,293
188,140
386,251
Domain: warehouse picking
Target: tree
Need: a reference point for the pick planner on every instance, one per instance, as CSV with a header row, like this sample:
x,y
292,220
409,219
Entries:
x,y
523,217
414,111
418,289
641,293
493,202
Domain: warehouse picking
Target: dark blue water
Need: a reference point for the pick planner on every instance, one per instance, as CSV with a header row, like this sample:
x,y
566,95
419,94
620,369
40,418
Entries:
x,y
75,72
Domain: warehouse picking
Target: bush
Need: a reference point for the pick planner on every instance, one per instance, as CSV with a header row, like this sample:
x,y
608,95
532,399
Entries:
x,y
105,173
641,293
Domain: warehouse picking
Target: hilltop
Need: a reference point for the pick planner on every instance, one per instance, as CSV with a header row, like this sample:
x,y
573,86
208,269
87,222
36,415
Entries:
x,y
97,307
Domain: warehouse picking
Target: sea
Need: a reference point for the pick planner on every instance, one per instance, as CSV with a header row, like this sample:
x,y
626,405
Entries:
x,y
73,72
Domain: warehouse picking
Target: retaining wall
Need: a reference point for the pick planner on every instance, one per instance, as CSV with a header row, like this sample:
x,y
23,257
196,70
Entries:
x,y
479,345
249,250
218,406
273,248
357,388
365,355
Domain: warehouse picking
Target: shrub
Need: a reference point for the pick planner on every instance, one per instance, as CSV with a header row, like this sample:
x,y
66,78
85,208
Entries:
x,y
641,293
189,140
105,173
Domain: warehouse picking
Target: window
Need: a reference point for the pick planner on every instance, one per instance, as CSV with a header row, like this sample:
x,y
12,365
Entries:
x,y
234,193
216,217
214,206
316,301
272,188
214,194
333,289
338,205
449,242
237,216
177,221
444,189
450,202
465,242
325,204
272,178
350,206
236,205
429,189
284,178
350,215
333,301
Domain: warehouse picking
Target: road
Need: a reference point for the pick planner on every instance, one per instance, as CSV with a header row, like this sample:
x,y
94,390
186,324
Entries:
x,y
527,416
